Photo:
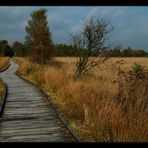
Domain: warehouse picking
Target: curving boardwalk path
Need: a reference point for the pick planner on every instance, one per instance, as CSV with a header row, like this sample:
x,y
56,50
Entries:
x,y
26,116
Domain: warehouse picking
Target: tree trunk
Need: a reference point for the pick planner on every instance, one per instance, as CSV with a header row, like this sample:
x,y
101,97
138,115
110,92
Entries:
x,y
42,51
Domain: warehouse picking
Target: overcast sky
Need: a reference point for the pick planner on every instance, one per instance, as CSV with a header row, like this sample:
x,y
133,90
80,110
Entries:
x,y
130,23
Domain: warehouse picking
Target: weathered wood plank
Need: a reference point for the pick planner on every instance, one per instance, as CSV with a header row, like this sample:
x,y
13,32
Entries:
x,y
33,131
35,138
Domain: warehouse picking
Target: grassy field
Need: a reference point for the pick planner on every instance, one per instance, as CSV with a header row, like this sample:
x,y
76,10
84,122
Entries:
x,y
3,64
89,105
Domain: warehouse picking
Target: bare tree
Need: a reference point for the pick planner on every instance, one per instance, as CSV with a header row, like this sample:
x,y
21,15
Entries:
x,y
90,43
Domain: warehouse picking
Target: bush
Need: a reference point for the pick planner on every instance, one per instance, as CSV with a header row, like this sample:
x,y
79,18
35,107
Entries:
x,y
30,69
133,89
37,80
138,72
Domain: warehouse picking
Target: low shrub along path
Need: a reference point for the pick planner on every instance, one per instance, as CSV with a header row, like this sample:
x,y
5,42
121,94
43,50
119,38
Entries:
x,y
26,117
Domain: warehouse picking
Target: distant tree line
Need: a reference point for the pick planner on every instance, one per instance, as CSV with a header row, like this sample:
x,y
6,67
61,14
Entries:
x,y
68,50
17,49
61,50
129,52
5,48
65,50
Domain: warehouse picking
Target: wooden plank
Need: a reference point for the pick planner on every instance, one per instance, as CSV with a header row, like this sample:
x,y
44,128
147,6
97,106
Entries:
x,y
26,115
33,131
30,126
35,138
33,101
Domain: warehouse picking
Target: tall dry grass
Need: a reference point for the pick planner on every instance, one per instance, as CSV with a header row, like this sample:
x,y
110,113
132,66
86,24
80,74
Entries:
x,y
3,64
1,91
90,104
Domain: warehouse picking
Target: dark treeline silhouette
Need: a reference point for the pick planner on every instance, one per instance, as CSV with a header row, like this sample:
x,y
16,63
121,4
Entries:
x,y
62,50
5,49
19,49
68,50
129,52
65,50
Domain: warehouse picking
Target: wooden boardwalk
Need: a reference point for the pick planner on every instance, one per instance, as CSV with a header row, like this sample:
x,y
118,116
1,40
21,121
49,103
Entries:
x,y
26,116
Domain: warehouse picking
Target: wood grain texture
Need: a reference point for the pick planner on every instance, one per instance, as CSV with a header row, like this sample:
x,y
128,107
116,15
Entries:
x,y
26,117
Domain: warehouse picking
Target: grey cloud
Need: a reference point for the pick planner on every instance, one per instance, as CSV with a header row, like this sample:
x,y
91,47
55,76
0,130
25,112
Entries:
x,y
130,24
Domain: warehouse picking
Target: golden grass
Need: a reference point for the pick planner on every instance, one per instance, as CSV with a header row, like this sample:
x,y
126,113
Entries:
x,y
88,104
1,91
3,64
